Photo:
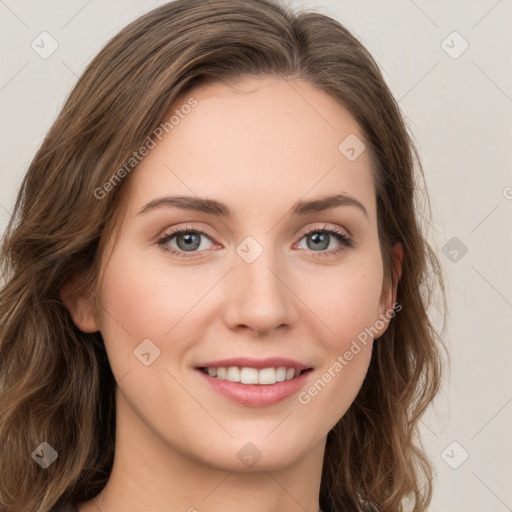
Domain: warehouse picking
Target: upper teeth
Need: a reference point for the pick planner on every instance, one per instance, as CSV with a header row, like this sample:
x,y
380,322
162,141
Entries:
x,y
252,375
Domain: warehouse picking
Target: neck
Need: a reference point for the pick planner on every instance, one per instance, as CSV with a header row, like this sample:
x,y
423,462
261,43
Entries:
x,y
151,474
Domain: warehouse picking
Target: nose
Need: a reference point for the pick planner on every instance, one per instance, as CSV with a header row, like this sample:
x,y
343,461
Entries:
x,y
258,296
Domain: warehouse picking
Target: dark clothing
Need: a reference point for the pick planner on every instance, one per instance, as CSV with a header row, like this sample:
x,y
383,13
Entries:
x,y
65,508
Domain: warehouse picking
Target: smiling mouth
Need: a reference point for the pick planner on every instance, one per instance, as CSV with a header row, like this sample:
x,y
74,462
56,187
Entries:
x,y
247,375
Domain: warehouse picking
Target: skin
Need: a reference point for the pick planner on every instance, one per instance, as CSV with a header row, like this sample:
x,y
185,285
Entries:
x,y
258,146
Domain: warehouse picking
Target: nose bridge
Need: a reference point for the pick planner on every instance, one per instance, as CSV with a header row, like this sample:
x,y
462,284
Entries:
x,y
258,297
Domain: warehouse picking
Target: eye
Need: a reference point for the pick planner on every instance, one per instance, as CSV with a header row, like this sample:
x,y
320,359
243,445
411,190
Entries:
x,y
320,239
187,240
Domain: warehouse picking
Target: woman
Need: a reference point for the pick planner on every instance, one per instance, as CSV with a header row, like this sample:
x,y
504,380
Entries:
x,y
216,284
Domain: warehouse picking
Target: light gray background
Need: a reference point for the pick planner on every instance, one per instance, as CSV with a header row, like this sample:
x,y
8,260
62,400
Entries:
x,y
459,111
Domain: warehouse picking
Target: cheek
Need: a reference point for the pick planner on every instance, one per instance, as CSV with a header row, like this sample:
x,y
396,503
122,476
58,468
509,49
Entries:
x,y
349,306
330,394
145,295
346,299
141,301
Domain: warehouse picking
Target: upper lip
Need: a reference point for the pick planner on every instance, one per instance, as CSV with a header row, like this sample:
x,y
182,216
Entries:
x,y
249,362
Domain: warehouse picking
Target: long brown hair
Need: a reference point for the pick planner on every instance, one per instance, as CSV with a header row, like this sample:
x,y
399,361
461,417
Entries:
x,y
56,385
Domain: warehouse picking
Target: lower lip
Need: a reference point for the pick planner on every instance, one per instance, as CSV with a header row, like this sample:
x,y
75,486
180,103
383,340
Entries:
x,y
256,395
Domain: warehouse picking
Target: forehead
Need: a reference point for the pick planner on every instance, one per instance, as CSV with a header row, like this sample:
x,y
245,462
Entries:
x,y
261,140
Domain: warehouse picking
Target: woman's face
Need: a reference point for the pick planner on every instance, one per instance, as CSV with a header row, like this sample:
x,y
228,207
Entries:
x,y
246,289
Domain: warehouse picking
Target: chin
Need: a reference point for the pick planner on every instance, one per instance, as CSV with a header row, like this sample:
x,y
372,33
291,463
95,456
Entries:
x,y
247,454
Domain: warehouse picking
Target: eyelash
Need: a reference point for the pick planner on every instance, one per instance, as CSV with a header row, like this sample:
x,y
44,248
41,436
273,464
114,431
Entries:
x,y
346,241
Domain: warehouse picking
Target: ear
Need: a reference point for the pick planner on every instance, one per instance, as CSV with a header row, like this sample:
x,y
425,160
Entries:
x,y
389,296
398,256
79,303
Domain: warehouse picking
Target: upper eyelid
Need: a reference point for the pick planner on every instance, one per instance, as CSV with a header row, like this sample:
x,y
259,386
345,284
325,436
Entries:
x,y
177,230
326,227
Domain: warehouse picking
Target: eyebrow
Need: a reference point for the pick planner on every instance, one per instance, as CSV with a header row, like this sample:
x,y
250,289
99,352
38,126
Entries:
x,y
214,207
